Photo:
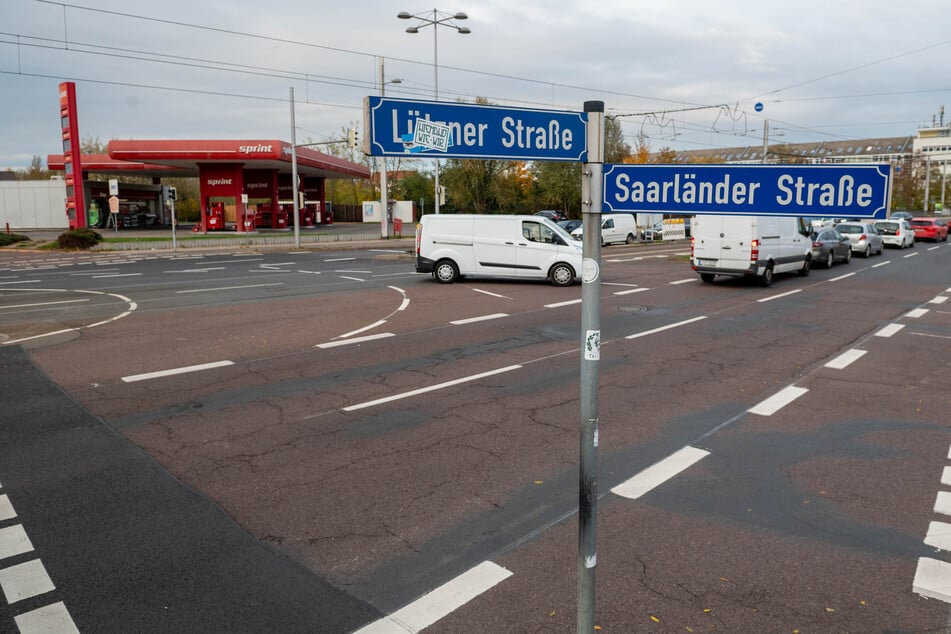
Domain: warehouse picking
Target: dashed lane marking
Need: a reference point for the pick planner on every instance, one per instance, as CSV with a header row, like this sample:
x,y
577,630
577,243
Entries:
x,y
50,619
933,579
654,331
24,581
778,400
175,371
846,359
660,472
472,320
916,313
889,330
786,294
347,342
436,604
229,288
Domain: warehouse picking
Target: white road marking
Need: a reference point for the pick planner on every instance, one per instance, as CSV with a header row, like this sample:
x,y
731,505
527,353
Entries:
x,y
340,260
89,273
431,388
875,266
355,279
50,619
174,371
942,503
778,400
654,331
13,541
36,282
201,270
933,248
940,299
928,334
939,535
916,313
845,359
910,255
933,579
479,290
25,580
436,604
946,476
688,280
660,472
560,304
616,284
6,509
472,320
116,275
229,288
841,277
364,329
347,342
354,272
65,301
631,291
889,330
786,294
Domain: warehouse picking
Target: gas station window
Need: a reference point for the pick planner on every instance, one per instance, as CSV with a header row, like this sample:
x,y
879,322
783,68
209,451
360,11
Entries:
x,y
66,145
65,121
69,167
70,191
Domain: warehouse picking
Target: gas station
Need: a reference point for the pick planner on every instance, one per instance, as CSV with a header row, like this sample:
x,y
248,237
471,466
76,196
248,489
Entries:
x,y
244,184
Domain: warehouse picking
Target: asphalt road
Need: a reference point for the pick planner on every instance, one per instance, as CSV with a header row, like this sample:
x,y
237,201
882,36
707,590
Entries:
x,y
324,441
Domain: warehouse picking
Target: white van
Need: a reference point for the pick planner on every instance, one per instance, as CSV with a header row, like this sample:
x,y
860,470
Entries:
x,y
753,246
614,228
453,245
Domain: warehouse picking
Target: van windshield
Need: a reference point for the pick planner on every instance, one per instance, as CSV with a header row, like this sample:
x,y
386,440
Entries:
x,y
544,232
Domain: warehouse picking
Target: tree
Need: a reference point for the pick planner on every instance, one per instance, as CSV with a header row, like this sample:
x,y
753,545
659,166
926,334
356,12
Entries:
x,y
616,149
35,171
558,186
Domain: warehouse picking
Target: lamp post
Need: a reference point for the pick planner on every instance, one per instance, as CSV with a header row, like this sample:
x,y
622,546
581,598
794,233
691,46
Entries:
x,y
384,197
435,18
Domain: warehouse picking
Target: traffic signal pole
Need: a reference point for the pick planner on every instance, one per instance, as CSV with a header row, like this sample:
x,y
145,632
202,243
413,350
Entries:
x,y
592,193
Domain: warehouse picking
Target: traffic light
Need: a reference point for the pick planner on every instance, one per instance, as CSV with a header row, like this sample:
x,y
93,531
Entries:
x,y
172,194
352,137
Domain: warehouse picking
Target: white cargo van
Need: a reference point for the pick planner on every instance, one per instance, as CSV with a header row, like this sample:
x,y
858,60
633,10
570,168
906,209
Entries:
x,y
614,228
753,246
453,245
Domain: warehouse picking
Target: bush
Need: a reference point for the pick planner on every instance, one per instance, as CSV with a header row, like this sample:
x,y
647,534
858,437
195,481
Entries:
x,y
78,239
7,239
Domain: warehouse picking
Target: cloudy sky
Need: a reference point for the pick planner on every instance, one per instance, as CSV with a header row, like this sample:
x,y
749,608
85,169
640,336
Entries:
x,y
686,74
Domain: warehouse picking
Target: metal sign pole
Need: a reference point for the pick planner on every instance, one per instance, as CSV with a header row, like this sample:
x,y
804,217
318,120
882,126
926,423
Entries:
x,y
591,196
174,222
294,174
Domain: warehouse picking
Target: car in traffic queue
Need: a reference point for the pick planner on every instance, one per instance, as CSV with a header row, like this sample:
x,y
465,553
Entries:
x,y
896,232
829,246
864,237
569,225
552,214
901,215
930,229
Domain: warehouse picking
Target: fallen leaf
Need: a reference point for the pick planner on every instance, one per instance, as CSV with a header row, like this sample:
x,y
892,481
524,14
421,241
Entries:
x,y
552,613
597,628
861,602
830,609
706,610
689,629
539,481
655,619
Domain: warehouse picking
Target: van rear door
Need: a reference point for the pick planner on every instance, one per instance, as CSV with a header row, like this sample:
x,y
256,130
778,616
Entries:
x,y
723,242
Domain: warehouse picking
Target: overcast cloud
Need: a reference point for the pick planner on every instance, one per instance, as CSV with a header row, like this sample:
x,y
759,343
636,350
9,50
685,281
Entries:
x,y
830,70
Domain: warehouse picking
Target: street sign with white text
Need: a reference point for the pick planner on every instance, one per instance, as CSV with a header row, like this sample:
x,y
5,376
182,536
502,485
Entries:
x,y
840,190
399,127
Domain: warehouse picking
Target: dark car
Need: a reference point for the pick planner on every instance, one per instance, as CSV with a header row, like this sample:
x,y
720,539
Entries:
x,y
569,225
829,246
552,214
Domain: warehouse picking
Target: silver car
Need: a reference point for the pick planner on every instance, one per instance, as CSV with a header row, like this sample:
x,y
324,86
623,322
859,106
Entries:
x,y
896,232
864,237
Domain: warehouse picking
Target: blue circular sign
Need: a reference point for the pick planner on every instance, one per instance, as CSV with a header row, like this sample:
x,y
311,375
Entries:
x,y
759,106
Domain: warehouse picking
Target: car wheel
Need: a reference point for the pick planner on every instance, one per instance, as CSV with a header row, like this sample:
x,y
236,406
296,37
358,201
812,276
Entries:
x,y
830,260
881,249
806,267
868,251
848,256
561,274
707,277
446,271
630,238
766,279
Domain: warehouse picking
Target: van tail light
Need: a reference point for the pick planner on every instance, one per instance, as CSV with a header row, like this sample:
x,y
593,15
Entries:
x,y
754,251
692,241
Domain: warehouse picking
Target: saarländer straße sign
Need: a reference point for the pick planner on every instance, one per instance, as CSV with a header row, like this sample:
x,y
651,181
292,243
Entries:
x,y
840,190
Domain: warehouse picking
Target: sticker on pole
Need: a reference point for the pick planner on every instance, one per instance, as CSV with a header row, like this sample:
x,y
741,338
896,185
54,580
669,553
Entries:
x,y
590,271
429,135
592,345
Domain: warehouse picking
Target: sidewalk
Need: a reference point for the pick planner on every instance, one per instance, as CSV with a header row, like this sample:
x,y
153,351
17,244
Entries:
x,y
340,235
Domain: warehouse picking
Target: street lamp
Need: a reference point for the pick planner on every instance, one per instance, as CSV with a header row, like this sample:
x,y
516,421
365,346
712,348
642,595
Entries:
x,y
384,197
434,19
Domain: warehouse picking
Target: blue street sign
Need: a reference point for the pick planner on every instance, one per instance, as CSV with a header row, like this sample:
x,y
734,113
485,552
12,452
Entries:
x,y
397,127
840,190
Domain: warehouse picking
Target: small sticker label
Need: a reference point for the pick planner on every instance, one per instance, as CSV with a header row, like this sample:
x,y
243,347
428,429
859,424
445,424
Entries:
x,y
591,561
592,345
595,436
590,271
